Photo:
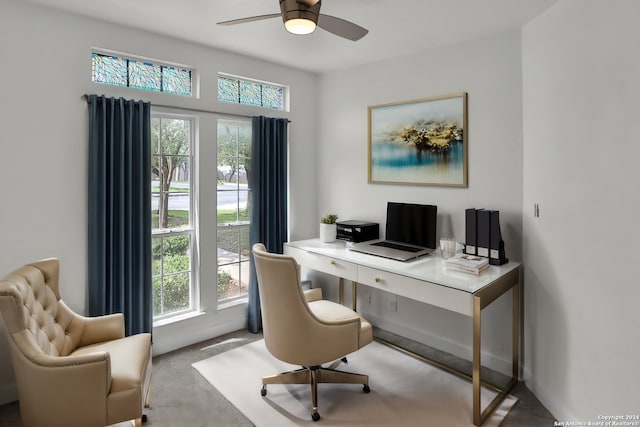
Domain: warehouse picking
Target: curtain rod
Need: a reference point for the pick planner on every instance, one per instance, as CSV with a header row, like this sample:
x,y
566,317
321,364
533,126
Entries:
x,y
197,110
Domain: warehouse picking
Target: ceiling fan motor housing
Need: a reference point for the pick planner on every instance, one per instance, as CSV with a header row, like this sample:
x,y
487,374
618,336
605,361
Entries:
x,y
295,9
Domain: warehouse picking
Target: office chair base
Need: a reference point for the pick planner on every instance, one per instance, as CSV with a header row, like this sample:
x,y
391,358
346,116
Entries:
x,y
313,376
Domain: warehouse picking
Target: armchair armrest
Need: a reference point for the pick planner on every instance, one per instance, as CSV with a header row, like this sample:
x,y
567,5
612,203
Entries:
x,y
102,328
96,329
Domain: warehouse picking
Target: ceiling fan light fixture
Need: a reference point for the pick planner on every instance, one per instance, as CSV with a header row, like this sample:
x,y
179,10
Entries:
x,y
299,17
300,26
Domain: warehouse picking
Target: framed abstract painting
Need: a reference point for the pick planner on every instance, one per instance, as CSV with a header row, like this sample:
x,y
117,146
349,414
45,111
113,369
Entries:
x,y
420,142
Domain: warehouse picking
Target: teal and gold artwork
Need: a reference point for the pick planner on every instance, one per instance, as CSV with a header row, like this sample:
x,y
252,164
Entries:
x,y
419,142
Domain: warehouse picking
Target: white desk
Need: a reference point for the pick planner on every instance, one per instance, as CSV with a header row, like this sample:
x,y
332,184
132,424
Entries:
x,y
424,280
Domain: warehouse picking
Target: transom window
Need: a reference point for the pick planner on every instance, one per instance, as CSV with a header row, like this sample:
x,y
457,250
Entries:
x,y
250,92
139,74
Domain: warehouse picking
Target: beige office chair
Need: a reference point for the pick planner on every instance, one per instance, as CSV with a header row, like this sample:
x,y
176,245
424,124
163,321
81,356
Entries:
x,y
301,328
71,371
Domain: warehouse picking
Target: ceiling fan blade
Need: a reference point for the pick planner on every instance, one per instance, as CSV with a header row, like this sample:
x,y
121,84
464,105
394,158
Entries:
x,y
341,27
250,19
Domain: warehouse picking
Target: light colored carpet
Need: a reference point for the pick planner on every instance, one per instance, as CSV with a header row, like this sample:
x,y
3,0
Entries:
x,y
404,391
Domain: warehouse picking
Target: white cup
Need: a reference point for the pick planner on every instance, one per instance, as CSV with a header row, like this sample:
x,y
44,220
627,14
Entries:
x,y
447,247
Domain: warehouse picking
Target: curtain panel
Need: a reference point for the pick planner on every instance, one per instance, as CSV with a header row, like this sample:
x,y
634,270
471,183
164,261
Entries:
x,y
268,192
119,205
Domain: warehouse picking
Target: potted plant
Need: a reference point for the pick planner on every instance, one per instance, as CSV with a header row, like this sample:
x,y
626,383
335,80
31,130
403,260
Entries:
x,y
328,228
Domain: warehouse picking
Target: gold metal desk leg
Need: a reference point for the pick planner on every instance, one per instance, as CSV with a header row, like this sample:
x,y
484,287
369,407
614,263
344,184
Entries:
x,y
516,332
354,295
341,290
479,302
477,410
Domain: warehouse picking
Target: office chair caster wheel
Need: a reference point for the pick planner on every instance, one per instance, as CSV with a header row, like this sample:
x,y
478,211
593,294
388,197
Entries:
x,y
144,418
315,416
263,392
366,388
344,360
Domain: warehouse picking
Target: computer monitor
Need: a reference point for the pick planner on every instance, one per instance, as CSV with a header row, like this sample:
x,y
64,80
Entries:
x,y
412,223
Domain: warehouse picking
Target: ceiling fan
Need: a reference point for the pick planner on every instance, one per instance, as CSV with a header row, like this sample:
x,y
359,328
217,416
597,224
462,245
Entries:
x,y
302,17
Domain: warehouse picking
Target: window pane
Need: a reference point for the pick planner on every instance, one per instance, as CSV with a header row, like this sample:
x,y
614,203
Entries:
x,y
156,257
144,75
228,89
157,296
233,262
170,169
272,97
250,93
155,193
244,141
176,292
228,245
176,81
109,69
171,273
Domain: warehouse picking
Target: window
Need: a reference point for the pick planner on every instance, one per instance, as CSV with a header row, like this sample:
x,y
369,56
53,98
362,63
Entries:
x,y
250,92
234,151
172,220
139,74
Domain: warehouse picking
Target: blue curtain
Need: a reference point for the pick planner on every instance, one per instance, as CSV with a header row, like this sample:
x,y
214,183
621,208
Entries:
x,y
268,184
120,210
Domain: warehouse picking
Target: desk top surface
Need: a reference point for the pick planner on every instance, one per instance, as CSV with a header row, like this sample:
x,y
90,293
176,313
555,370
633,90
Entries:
x,y
428,268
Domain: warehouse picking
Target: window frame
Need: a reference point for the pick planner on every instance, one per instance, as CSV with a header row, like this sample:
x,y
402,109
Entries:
x,y
237,225
191,229
262,83
145,61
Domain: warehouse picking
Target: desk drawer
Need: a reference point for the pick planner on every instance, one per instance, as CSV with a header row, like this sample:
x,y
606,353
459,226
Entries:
x,y
323,263
419,290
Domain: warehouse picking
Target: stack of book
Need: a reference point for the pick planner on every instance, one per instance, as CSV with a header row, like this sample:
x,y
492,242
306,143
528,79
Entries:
x,y
467,263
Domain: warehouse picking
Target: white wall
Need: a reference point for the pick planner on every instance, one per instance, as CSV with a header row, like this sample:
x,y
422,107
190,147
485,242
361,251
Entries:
x,y
489,70
46,68
581,151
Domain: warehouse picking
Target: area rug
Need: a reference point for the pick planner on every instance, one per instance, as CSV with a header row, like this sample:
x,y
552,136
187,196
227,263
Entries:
x,y
404,391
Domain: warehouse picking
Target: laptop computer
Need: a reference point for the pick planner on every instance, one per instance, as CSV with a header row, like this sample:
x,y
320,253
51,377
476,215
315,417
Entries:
x,y
410,233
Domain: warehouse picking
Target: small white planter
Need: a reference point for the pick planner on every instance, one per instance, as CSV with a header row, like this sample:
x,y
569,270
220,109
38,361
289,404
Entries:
x,y
328,233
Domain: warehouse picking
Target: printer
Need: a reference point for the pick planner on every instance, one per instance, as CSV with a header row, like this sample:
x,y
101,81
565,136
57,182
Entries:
x,y
357,231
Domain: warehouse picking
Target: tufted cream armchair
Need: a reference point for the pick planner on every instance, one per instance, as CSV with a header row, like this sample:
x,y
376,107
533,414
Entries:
x,y
301,328
70,370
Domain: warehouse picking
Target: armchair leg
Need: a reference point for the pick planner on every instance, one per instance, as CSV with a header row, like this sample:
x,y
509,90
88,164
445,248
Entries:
x,y
147,399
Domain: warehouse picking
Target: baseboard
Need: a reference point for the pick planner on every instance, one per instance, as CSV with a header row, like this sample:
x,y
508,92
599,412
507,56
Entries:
x,y
8,393
460,350
170,341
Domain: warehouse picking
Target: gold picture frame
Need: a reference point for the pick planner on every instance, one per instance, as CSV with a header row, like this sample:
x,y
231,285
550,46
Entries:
x,y
419,142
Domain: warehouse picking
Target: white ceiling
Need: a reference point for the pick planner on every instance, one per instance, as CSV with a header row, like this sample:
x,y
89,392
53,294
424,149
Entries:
x,y
396,27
